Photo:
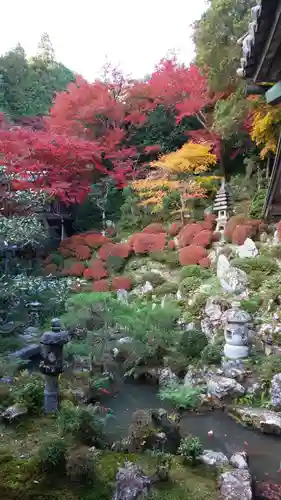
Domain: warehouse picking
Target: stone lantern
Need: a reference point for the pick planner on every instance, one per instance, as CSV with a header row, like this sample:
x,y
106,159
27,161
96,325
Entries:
x,y
222,206
51,366
236,333
34,310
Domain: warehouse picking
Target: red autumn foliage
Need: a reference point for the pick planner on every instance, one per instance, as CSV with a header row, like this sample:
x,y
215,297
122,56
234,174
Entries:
x,y
174,229
216,236
232,223
209,221
171,245
118,249
96,271
50,269
154,228
240,234
95,240
122,283
147,243
77,269
191,255
205,262
203,239
83,252
187,234
101,286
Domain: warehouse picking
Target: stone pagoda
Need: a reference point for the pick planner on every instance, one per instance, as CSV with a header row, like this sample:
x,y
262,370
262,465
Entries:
x,y
222,206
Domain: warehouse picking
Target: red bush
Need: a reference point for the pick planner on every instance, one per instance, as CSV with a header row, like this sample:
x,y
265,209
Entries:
x,y
122,283
147,243
50,269
187,234
66,251
205,262
191,255
171,245
209,221
118,250
97,271
154,228
95,240
240,234
203,239
82,252
174,229
77,269
101,286
232,223
216,236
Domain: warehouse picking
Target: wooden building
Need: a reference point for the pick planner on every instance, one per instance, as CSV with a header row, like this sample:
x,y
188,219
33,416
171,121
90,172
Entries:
x,y
261,67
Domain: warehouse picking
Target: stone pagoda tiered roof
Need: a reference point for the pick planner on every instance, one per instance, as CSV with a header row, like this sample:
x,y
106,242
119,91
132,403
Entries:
x,y
222,199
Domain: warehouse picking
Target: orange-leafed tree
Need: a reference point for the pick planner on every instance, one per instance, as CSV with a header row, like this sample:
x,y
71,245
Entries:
x,y
176,172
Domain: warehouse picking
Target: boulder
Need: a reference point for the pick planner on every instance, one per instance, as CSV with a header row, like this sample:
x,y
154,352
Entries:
x,y
234,368
27,352
166,376
194,376
236,485
267,421
14,412
220,387
247,250
131,483
239,460
276,391
213,309
213,458
232,279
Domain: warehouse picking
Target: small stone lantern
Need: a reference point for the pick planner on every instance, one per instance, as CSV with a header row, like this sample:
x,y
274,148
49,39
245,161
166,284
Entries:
x,y
236,333
222,206
52,363
34,309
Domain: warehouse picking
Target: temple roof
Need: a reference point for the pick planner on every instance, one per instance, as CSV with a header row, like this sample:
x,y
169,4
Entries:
x,y
261,46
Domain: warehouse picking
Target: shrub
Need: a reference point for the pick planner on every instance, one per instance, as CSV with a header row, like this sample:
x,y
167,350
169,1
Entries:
x,y
187,234
118,249
50,269
211,354
170,258
95,240
190,449
191,255
216,236
97,270
240,234
171,245
80,422
205,263
209,221
232,223
203,239
30,394
192,343
5,395
154,228
83,252
147,243
122,283
262,264
174,229
101,286
52,454
181,396
77,269
189,285
56,258
154,278
252,304
115,263
166,288
196,271
80,465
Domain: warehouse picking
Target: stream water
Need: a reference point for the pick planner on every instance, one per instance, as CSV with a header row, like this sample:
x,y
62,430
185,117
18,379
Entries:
x,y
228,436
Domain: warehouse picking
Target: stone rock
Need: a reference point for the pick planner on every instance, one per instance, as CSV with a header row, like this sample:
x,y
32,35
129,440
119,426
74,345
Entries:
x,y
239,460
213,458
122,296
194,376
234,368
247,250
213,310
267,421
220,387
131,483
236,485
232,279
124,340
276,391
208,329
166,376
14,412
275,240
27,352
263,237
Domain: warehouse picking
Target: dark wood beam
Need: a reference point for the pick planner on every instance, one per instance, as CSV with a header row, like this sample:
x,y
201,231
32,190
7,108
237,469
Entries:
x,y
271,48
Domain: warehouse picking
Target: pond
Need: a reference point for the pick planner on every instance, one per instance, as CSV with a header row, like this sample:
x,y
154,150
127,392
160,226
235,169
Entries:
x,y
228,436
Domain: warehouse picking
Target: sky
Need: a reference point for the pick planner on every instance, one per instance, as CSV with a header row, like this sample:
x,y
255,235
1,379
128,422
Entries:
x,y
133,35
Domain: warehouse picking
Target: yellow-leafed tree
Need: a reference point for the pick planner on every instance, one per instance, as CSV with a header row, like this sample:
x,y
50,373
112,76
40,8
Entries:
x,y
178,171
266,125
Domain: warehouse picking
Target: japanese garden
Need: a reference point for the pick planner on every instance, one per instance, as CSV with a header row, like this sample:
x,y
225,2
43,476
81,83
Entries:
x,y
140,285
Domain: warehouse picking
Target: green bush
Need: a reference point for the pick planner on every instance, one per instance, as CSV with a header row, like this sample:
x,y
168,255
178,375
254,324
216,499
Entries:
x,y
80,465
154,278
80,422
189,285
192,343
211,354
52,454
5,395
115,263
30,394
181,396
268,367
262,264
195,271
270,290
167,288
252,304
190,449
256,207
168,257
